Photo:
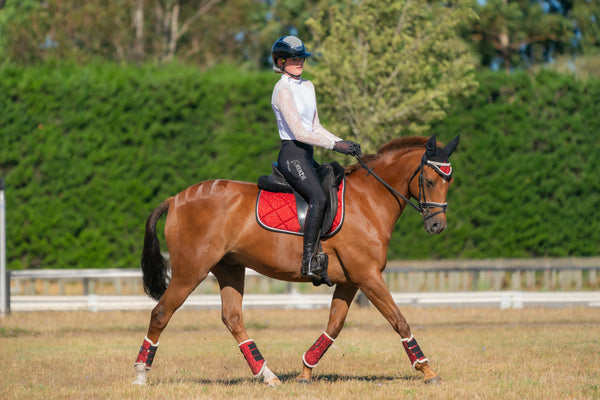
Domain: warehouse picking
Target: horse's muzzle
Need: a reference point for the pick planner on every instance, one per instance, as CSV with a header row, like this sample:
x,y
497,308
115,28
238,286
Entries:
x,y
435,224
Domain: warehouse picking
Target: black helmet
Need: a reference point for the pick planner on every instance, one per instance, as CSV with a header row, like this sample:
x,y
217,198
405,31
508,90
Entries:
x,y
287,47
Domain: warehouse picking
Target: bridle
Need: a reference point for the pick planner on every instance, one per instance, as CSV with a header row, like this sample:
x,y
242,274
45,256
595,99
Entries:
x,y
442,168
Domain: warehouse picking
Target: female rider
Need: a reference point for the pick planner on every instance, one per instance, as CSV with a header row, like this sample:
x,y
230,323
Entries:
x,y
295,107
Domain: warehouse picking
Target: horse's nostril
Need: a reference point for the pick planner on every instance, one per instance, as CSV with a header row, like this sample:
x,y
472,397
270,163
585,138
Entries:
x,y
435,227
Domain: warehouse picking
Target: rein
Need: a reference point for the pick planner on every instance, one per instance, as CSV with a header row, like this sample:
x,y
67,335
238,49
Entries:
x,y
422,205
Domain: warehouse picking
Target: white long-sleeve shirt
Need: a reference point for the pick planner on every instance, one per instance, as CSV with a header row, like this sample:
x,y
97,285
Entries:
x,y
295,107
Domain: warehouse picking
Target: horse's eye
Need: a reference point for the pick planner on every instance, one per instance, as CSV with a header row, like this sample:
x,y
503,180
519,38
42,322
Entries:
x,y
429,183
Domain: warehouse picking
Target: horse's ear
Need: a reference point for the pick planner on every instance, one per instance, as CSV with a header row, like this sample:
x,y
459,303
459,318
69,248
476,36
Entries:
x,y
450,147
431,148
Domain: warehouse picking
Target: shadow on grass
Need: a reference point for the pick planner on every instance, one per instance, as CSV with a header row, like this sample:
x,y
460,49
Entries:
x,y
291,379
359,378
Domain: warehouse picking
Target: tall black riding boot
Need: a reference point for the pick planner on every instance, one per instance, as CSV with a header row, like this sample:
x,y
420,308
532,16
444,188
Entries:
x,y
312,228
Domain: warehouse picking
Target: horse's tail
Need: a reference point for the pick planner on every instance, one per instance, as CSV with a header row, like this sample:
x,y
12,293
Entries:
x,y
154,266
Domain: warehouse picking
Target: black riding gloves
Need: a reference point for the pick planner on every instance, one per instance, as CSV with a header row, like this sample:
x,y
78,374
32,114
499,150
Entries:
x,y
347,147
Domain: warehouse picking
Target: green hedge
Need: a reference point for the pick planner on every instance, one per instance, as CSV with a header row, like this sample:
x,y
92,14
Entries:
x,y
88,152
525,185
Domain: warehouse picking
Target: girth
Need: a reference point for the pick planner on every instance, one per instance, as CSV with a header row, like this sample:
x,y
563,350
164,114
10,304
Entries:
x,y
330,175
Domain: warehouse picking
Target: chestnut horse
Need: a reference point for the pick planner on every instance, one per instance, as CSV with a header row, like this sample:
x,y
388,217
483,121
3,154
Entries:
x,y
211,227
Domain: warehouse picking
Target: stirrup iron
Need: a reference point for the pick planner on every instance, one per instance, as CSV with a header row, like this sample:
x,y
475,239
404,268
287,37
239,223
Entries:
x,y
316,267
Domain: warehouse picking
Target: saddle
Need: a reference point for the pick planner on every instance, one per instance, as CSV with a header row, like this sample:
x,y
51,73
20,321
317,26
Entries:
x,y
332,180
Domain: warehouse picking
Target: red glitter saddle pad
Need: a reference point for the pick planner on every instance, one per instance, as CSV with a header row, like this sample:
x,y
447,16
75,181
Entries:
x,y
277,212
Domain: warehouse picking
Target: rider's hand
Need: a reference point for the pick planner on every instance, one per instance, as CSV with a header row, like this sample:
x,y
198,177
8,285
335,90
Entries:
x,y
347,147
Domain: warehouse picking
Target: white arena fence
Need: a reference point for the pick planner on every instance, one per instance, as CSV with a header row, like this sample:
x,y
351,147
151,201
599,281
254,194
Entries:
x,y
504,283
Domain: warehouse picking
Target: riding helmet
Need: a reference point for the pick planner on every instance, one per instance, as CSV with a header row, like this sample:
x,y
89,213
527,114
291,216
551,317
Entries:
x,y
287,47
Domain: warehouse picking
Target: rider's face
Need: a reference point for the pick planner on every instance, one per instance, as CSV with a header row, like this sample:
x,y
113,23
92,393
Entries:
x,y
294,66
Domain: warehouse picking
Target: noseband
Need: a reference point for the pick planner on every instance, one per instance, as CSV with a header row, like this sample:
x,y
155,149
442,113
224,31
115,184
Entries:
x,y
443,169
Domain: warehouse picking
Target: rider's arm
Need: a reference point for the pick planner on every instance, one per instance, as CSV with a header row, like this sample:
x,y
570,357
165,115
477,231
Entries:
x,y
320,130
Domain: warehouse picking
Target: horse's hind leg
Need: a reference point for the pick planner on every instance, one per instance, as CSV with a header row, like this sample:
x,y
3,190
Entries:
x,y
177,292
231,282
340,303
378,293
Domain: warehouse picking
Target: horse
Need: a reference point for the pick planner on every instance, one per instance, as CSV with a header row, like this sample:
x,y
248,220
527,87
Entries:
x,y
211,227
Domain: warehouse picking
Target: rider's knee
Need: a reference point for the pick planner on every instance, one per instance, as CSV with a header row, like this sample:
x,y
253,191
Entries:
x,y
319,201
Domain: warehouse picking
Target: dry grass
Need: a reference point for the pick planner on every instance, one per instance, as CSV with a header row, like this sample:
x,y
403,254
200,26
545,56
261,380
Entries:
x,y
481,353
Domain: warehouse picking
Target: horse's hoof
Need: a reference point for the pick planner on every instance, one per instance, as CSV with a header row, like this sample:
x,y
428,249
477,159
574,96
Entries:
x,y
273,382
436,380
140,369
304,381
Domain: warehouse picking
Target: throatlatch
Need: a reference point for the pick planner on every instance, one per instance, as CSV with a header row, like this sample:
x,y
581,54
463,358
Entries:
x,y
253,357
313,355
415,355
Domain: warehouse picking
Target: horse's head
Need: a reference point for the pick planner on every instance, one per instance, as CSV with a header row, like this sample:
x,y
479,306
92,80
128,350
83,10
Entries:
x,y
433,178
431,175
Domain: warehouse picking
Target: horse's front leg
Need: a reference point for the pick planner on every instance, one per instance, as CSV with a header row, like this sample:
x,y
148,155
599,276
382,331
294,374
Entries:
x,y
231,282
340,303
379,294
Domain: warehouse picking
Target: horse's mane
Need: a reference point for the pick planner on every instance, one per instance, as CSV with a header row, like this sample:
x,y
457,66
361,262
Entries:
x,y
398,144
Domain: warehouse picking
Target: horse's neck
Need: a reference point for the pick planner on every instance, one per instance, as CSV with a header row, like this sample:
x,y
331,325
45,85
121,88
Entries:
x,y
396,169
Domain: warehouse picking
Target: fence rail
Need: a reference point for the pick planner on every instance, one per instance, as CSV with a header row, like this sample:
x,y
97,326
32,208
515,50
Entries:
x,y
441,276
502,300
545,274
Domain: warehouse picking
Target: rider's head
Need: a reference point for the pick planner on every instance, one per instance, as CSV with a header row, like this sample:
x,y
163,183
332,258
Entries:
x,y
284,48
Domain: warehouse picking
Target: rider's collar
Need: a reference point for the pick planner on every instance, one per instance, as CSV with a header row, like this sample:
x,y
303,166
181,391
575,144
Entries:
x,y
290,78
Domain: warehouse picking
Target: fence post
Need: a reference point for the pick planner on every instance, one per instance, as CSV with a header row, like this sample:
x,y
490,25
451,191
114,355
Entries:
x,y
4,278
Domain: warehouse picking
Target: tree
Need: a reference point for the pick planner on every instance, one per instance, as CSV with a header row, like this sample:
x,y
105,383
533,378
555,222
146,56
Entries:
x,y
389,67
127,30
586,15
67,29
139,51
170,26
518,32
13,15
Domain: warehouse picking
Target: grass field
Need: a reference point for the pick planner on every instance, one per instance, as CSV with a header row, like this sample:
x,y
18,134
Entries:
x,y
481,353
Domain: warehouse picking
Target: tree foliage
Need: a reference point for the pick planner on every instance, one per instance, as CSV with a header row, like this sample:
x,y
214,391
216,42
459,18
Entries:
x,y
395,79
519,32
200,32
586,16
511,33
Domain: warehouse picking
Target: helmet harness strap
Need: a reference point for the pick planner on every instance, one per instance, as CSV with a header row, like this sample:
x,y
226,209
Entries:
x,y
283,60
